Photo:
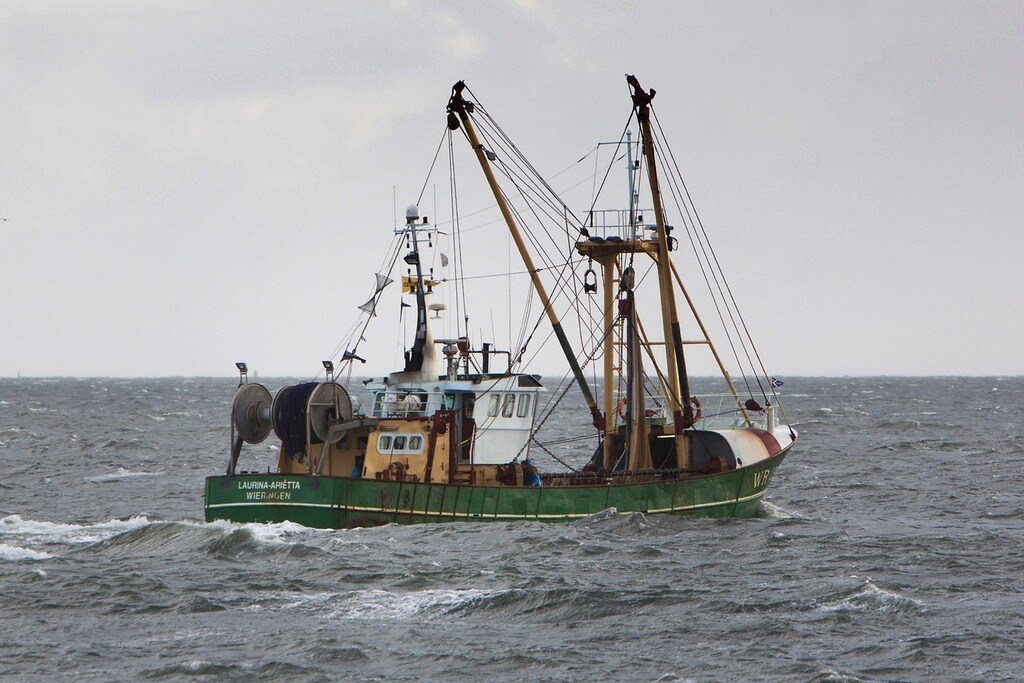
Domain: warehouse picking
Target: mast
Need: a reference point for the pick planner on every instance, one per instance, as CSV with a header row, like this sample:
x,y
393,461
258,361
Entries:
x,y
420,360
679,385
458,110
414,357
636,416
629,176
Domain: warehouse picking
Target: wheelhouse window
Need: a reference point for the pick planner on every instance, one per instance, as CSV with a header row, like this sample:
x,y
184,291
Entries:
x,y
510,405
400,443
492,407
524,405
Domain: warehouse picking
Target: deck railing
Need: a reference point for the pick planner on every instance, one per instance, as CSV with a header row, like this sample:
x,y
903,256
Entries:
x,y
607,223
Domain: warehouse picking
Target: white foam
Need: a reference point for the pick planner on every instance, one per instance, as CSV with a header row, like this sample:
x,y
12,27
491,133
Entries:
x,y
770,510
870,597
13,553
53,532
276,533
282,600
266,533
383,605
121,473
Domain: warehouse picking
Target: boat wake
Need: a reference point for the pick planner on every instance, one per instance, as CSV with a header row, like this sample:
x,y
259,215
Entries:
x,y
769,510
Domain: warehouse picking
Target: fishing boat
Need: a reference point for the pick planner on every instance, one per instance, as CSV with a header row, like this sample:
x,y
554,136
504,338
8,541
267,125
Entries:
x,y
454,434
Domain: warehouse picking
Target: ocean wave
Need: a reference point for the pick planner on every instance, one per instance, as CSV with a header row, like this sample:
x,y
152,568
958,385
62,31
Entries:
x,y
276,601
209,670
142,536
384,605
13,553
38,532
127,445
119,475
372,604
871,597
899,424
833,676
221,538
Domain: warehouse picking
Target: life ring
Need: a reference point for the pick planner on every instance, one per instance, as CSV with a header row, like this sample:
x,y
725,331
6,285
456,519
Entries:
x,y
620,409
695,402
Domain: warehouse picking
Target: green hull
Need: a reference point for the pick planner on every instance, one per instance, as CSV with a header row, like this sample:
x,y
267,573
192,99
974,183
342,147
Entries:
x,y
342,502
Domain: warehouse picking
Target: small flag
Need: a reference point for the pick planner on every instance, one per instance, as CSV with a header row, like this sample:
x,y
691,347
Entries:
x,y
349,355
776,383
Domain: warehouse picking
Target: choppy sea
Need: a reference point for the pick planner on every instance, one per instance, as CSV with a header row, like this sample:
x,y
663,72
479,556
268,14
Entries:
x,y
890,547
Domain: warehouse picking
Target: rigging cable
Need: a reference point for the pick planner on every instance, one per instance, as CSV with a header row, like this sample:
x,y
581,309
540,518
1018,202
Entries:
x,y
711,289
459,267
745,329
431,170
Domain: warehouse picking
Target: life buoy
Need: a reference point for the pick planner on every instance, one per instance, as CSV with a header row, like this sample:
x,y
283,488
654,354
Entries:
x,y
695,402
620,409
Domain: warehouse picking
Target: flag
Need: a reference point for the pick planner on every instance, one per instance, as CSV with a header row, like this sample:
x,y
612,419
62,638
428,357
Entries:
x,y
776,383
349,355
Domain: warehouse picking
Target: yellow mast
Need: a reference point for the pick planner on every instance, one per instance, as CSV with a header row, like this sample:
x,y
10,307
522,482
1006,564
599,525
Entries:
x,y
608,273
458,110
679,385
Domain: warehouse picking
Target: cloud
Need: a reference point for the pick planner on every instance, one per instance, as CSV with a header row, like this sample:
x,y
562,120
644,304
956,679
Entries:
x,y
455,39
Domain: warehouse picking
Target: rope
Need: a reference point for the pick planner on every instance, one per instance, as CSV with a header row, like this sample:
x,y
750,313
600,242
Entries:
x,y
696,227
431,171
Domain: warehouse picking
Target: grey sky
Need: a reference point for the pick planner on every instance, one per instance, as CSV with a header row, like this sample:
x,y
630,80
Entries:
x,y
188,184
